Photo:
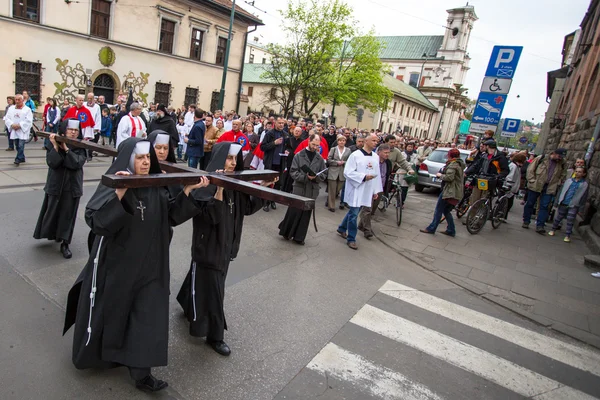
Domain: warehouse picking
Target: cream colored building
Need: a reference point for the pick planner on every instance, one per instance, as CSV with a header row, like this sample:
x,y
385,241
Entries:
x,y
408,111
256,53
167,51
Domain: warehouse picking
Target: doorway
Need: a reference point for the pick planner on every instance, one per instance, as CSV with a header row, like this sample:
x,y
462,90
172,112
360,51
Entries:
x,y
104,85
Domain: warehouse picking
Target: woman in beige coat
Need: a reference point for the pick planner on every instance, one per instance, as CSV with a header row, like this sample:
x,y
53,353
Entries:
x,y
335,175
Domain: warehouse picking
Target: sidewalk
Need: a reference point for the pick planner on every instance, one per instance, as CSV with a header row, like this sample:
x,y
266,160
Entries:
x,y
540,277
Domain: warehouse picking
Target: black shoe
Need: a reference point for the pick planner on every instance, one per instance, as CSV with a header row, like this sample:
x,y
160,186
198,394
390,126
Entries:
x,y
151,384
220,347
447,233
368,235
9,149
540,230
266,208
66,252
273,205
17,163
332,209
299,242
341,206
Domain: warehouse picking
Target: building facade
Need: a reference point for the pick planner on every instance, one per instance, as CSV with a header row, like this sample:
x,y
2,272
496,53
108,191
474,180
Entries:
x,y
438,66
408,110
167,51
573,120
256,53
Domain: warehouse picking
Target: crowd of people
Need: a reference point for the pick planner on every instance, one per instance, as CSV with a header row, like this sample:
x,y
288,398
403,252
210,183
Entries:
x,y
119,304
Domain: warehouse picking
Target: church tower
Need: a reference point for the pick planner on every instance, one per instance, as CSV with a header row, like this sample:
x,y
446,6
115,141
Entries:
x,y
458,29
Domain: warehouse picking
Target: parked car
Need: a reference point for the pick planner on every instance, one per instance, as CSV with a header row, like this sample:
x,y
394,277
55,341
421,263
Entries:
x,y
432,165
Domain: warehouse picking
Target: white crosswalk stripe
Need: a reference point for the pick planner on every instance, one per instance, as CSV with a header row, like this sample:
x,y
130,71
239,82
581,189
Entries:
x,y
547,346
379,381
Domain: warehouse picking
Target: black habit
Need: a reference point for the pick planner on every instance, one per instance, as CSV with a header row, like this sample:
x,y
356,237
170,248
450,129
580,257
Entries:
x,y
290,145
64,188
126,321
167,126
215,243
295,223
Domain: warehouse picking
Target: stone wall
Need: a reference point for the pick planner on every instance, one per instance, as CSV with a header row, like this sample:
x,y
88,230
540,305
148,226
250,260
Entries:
x,y
576,138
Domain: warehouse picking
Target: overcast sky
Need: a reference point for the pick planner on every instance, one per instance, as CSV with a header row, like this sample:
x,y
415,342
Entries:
x,y
538,25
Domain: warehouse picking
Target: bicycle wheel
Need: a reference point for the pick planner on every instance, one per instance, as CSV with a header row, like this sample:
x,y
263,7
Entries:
x,y
477,216
398,209
499,212
382,204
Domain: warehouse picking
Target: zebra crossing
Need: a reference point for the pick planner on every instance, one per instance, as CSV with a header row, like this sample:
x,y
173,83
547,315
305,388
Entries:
x,y
410,345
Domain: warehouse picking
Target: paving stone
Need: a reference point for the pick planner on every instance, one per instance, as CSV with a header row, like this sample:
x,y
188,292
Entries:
x,y
454,268
590,297
440,253
592,284
463,250
490,279
475,287
594,324
579,306
475,263
534,292
496,260
584,336
538,271
438,240
515,308
410,245
485,247
561,314
560,288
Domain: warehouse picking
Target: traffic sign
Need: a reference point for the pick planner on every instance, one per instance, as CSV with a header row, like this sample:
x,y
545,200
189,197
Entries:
x,y
488,108
503,62
523,140
496,85
481,128
511,125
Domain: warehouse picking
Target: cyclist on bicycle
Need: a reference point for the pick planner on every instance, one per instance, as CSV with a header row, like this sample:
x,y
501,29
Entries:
x,y
492,163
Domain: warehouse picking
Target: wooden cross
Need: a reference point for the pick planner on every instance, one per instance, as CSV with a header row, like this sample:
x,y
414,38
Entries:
x,y
177,174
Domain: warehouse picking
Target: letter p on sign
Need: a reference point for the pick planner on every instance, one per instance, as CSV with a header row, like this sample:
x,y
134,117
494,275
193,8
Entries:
x,y
505,56
512,124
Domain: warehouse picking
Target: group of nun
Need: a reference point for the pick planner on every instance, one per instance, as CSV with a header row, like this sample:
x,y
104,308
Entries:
x,y
119,304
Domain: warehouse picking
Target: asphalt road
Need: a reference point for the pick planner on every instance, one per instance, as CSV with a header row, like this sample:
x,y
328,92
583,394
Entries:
x,y
315,321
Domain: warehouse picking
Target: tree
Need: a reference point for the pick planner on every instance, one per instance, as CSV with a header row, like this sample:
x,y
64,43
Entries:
x,y
317,64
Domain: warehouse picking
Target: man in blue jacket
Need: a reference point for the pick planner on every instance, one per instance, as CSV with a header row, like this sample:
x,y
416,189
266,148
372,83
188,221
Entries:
x,y
195,140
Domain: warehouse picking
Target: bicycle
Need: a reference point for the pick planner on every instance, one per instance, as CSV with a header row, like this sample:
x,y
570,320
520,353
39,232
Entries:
x,y
463,205
484,208
386,200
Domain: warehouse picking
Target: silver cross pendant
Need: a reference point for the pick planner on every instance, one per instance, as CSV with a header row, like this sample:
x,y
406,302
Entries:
x,y
141,207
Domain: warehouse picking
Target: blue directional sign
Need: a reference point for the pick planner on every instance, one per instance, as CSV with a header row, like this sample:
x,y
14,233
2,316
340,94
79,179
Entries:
x,y
488,108
511,125
503,62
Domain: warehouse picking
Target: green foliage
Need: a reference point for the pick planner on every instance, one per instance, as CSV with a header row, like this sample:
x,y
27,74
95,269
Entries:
x,y
317,65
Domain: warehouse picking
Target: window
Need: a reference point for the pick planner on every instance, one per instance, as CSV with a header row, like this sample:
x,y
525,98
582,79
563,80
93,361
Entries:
x,y
420,114
162,93
221,48
408,112
191,96
27,9
28,77
402,110
264,60
250,91
100,18
167,36
251,59
414,79
414,113
196,47
394,108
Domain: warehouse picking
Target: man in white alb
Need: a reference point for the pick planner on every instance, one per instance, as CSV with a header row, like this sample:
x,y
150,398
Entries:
x,y
131,125
362,186
189,117
18,120
96,114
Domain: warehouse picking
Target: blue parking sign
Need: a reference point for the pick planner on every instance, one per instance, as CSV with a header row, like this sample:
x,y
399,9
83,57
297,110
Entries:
x,y
511,125
488,108
503,62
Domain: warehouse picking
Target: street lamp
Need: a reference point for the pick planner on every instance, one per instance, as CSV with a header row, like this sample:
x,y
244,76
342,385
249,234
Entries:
x,y
427,58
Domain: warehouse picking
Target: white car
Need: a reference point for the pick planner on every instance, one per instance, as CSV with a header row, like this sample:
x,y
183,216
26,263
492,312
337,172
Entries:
x,y
432,165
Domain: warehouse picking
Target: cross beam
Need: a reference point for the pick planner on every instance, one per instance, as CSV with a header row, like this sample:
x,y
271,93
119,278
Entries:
x,y
177,174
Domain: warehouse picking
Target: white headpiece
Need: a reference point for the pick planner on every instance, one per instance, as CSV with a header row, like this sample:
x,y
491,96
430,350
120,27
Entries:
x,y
162,138
234,149
140,148
73,124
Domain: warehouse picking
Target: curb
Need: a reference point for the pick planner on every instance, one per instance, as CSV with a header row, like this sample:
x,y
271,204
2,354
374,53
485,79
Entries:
x,y
574,333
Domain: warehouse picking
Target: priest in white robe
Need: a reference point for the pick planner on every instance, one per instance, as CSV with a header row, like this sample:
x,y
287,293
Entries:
x,y
131,125
96,112
18,120
362,186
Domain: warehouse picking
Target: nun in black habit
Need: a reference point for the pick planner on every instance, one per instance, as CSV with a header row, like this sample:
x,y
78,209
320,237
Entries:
x,y
119,304
64,188
215,243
